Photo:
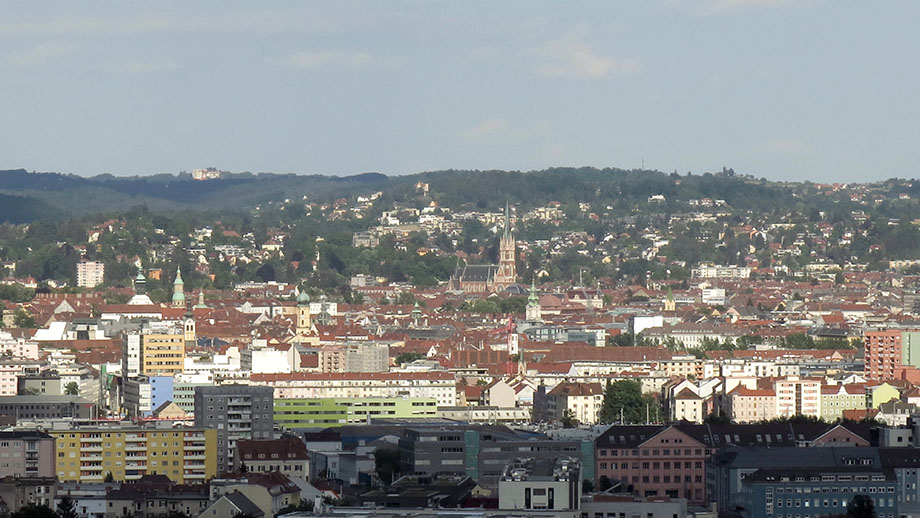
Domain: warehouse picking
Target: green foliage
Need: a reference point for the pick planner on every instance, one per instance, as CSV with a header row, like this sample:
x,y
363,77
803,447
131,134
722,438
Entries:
x,y
16,293
66,508
861,506
34,511
386,461
72,389
402,358
568,419
624,400
22,318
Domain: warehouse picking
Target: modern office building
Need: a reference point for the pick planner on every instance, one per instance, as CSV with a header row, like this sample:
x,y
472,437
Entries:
x,y
326,412
236,412
540,484
480,451
157,349
47,407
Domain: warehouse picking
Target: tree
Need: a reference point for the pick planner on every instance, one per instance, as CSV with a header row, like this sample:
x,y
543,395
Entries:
x,y
66,508
861,506
587,486
624,400
108,477
72,389
386,461
34,511
23,319
410,357
568,419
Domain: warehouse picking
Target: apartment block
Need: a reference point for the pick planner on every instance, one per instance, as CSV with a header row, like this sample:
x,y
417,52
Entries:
x,y
88,454
236,412
26,453
888,352
441,386
157,349
291,413
90,274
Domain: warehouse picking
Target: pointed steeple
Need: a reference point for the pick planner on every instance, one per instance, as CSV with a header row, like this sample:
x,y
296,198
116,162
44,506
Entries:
x,y
507,232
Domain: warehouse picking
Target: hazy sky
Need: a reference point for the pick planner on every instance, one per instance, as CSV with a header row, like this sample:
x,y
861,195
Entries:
x,y
787,89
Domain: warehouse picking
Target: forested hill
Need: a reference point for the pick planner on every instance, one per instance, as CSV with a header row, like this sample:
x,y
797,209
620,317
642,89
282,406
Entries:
x,y
54,195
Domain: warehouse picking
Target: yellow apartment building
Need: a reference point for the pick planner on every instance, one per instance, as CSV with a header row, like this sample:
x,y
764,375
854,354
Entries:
x,y
162,354
88,454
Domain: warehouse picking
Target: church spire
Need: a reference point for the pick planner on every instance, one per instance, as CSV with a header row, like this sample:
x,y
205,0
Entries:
x,y
507,231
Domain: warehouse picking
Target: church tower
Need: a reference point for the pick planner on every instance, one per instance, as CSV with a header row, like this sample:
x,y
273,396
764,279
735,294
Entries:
x,y
304,322
178,298
533,312
506,275
669,303
189,329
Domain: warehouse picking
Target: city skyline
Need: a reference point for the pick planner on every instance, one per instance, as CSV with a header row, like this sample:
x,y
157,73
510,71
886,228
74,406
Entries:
x,y
782,89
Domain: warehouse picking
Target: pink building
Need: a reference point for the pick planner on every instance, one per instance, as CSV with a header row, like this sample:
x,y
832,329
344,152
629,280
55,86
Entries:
x,y
27,453
656,460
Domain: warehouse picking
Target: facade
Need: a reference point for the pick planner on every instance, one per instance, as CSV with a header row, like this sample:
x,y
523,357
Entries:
x,y
582,401
290,413
541,484
809,493
751,405
19,492
837,398
480,452
90,274
286,455
236,412
797,396
157,349
888,352
656,460
47,407
88,454
137,397
26,453
439,385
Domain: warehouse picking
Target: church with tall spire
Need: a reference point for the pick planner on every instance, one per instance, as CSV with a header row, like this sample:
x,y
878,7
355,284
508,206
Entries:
x,y
491,278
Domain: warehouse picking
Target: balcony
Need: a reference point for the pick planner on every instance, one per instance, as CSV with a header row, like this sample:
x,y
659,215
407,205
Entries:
x,y
91,457
194,476
195,447
90,439
88,448
200,456
136,447
91,468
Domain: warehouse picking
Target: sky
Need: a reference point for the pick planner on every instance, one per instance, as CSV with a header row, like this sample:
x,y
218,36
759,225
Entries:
x,y
783,89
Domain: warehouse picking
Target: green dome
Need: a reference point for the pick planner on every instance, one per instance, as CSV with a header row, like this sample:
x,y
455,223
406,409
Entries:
x,y
178,297
178,277
303,298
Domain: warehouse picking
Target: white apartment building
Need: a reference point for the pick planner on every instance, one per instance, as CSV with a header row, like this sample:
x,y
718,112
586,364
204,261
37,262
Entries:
x,y
438,385
796,396
90,274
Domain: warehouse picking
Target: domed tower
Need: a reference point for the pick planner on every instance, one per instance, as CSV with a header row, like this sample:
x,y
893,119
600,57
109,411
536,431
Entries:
x,y
178,298
304,321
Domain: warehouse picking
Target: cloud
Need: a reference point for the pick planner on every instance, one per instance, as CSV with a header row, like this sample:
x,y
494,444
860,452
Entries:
x,y
338,59
497,128
38,55
570,57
